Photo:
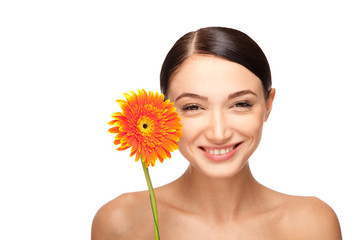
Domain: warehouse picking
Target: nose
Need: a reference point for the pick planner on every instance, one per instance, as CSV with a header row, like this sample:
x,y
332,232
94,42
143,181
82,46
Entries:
x,y
218,130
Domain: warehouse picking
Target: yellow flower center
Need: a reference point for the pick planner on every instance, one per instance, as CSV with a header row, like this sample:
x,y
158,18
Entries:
x,y
145,126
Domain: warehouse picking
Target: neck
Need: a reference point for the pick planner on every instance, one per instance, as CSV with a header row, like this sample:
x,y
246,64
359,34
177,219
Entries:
x,y
220,199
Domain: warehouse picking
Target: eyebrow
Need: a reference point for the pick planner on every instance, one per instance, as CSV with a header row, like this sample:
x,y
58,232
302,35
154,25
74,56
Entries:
x,y
231,96
191,95
241,93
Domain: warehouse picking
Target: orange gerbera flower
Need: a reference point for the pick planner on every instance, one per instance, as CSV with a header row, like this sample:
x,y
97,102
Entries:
x,y
147,124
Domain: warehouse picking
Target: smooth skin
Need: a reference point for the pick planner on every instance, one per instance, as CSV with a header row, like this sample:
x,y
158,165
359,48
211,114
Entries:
x,y
221,105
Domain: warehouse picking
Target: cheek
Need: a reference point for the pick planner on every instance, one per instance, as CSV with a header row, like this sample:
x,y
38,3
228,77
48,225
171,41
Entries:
x,y
185,143
249,126
189,130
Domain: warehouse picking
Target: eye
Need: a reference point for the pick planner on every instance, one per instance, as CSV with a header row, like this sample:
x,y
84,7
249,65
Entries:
x,y
191,107
243,104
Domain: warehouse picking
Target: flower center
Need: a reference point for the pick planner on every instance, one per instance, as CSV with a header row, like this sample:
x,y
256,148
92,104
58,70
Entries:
x,y
145,126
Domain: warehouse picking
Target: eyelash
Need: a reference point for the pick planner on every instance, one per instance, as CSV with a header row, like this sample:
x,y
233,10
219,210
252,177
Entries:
x,y
190,107
194,107
244,104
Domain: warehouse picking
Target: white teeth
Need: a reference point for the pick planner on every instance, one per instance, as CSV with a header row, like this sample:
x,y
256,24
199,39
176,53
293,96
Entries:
x,y
219,151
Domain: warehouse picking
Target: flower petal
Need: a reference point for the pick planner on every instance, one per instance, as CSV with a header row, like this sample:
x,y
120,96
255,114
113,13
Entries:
x,y
124,139
124,128
116,114
160,159
121,148
138,155
146,158
129,98
132,153
131,141
172,137
168,154
174,125
169,145
134,147
114,130
120,135
122,103
161,152
153,157
173,116
112,122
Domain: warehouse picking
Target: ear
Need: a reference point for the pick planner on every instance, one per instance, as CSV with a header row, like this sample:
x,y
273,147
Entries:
x,y
269,103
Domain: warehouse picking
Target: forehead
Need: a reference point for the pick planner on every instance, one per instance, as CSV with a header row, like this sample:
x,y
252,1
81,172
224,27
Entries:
x,y
209,75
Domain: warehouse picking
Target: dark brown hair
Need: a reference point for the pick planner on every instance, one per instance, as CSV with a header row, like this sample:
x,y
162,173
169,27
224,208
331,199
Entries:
x,y
226,43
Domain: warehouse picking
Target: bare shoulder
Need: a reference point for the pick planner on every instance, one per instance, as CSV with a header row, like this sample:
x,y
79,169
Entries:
x,y
311,218
117,218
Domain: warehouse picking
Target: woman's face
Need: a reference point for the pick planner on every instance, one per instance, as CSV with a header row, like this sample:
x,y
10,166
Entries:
x,y
222,109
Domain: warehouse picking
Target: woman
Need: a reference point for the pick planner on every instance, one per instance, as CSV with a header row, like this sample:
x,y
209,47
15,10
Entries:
x,y
220,82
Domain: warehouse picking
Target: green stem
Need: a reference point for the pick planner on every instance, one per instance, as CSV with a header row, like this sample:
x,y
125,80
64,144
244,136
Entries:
x,y
152,201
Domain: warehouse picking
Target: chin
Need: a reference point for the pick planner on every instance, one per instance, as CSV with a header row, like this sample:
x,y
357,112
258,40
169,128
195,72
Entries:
x,y
221,171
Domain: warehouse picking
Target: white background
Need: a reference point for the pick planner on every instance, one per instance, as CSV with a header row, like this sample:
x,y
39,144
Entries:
x,y
64,63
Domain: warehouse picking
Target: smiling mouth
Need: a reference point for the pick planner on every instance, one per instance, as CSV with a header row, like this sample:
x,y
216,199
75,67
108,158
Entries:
x,y
219,150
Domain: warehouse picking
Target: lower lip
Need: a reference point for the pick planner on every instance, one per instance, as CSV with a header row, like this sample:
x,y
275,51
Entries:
x,y
221,157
